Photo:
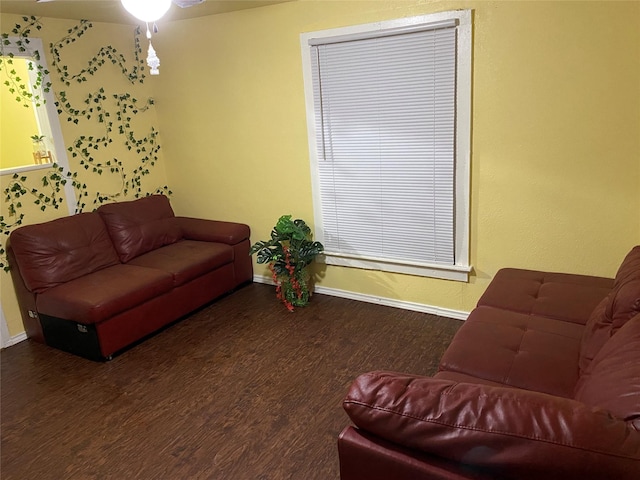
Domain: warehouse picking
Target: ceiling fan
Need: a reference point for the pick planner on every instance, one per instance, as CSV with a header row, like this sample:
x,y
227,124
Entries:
x,y
180,3
149,11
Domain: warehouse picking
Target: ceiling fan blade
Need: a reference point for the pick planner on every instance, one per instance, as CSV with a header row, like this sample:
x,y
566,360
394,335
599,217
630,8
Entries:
x,y
180,3
187,3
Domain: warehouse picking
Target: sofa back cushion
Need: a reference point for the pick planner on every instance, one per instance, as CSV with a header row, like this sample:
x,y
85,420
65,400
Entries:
x,y
630,268
141,225
55,252
622,303
613,379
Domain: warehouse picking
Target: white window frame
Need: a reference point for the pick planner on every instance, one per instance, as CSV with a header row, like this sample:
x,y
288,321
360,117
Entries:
x,y
463,18
46,114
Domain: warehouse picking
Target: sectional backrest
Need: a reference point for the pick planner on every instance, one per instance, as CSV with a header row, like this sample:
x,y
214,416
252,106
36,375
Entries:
x,y
610,350
55,252
612,381
141,225
616,309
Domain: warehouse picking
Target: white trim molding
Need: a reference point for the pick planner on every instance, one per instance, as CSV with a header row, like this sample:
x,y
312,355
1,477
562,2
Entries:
x,y
462,20
7,341
48,119
21,337
387,302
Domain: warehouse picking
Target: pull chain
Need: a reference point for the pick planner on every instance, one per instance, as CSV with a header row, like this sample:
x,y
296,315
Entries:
x,y
153,62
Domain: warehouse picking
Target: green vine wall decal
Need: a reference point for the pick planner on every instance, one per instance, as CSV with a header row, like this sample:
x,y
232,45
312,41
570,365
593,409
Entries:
x,y
18,86
105,53
112,114
18,188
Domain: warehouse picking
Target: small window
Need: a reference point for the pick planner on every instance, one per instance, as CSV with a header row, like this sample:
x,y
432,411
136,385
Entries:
x,y
389,133
31,138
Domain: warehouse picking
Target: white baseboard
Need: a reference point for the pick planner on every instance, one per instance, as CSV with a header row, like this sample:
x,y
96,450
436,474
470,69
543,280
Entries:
x,y
387,302
21,337
5,339
334,292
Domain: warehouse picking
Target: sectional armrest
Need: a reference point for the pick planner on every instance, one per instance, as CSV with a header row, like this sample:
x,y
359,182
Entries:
x,y
213,230
511,431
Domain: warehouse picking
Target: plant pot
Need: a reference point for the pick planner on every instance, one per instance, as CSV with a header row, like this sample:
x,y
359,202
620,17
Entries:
x,y
293,290
296,297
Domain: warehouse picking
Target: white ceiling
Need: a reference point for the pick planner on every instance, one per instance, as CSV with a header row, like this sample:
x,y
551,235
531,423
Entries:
x,y
111,11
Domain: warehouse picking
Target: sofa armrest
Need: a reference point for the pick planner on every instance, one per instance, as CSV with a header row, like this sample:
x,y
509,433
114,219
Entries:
x,y
514,432
364,456
213,230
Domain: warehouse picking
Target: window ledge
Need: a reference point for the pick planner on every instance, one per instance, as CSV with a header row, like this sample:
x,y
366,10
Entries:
x,y
25,168
459,273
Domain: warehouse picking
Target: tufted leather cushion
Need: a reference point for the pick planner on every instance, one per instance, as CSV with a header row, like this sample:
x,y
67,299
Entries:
x,y
52,253
141,225
561,296
518,350
613,379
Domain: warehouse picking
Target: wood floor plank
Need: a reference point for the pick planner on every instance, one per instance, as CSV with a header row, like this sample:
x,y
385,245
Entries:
x,y
242,389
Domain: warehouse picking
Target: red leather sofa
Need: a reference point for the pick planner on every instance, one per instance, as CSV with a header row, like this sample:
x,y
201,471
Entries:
x,y
541,382
94,283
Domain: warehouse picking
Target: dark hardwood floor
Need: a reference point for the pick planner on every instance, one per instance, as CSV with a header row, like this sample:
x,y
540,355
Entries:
x,y
242,389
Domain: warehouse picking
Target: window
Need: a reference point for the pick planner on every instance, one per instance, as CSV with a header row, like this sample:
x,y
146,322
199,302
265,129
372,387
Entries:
x,y
31,135
388,112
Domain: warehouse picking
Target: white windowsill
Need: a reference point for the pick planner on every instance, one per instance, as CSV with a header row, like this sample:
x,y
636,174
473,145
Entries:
x,y
25,168
458,273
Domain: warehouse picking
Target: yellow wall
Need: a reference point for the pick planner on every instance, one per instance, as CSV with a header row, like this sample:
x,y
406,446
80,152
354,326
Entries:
x,y
555,148
76,56
17,123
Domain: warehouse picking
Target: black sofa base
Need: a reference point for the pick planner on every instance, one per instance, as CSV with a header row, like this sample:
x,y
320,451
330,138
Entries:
x,y
72,337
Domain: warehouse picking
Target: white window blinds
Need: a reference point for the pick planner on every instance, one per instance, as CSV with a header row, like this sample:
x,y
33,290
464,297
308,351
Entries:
x,y
385,130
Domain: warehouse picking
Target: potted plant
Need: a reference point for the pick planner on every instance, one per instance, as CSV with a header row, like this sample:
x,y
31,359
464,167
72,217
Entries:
x,y
40,152
38,144
289,253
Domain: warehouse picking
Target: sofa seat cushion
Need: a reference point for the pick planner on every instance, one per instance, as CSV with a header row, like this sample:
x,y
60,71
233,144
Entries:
x,y
555,295
141,225
56,252
103,294
186,259
513,349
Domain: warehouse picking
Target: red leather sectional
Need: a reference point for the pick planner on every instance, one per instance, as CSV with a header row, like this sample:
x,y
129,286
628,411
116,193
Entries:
x,y
94,283
541,382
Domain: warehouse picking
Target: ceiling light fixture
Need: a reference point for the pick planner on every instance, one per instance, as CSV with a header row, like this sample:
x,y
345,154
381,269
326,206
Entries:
x,y
148,11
